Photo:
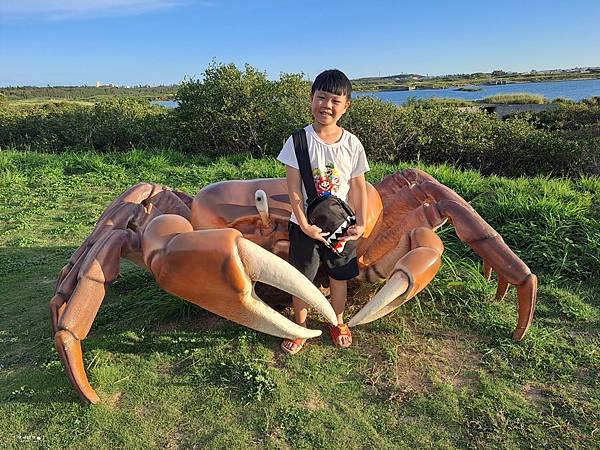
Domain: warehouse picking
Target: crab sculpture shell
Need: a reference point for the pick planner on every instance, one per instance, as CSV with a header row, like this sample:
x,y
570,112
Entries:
x,y
212,249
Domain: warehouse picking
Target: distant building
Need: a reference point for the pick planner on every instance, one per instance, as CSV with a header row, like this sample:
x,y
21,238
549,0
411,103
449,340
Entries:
x,y
109,85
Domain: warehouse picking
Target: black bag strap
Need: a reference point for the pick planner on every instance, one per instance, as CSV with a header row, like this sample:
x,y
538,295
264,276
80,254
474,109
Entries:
x,y
301,149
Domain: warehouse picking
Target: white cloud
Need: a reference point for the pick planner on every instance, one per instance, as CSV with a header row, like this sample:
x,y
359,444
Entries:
x,y
11,10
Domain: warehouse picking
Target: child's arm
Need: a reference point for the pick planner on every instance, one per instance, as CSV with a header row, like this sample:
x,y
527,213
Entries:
x,y
358,198
294,185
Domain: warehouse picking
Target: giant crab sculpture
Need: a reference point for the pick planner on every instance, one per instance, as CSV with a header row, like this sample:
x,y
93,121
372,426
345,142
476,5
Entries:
x,y
212,249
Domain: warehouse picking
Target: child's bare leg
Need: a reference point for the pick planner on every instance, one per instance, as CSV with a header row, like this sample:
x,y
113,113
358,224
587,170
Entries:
x,y
339,289
300,313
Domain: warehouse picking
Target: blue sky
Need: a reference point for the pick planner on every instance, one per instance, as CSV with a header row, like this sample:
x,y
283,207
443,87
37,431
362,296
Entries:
x,y
77,42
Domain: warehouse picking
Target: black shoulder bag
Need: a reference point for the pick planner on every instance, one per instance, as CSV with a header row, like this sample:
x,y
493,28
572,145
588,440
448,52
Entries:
x,y
330,213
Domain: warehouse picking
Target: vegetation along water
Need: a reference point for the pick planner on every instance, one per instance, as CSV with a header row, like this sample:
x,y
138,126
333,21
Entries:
x,y
573,90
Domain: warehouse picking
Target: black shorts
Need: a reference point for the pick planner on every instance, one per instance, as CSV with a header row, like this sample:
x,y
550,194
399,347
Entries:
x,y
307,253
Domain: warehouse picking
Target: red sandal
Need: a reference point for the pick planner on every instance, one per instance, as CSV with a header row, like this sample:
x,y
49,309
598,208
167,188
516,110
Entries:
x,y
340,330
298,342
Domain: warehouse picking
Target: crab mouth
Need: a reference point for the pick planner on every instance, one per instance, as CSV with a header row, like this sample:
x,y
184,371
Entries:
x,y
340,231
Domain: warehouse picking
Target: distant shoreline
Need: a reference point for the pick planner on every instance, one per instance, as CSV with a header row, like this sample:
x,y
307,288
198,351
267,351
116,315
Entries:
x,y
384,83
36,94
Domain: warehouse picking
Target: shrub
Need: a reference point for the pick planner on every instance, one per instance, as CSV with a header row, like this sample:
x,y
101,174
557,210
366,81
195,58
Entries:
x,y
516,98
241,111
435,133
234,111
521,149
447,134
115,124
127,123
563,100
568,117
382,128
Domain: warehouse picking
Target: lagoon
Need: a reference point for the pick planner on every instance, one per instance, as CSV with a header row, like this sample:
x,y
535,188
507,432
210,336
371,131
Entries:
x,y
573,90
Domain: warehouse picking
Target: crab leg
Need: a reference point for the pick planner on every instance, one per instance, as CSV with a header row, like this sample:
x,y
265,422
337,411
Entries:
x,y
420,200
128,209
77,301
488,244
410,275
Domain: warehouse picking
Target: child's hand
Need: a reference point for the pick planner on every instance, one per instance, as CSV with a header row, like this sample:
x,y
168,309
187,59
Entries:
x,y
316,233
354,232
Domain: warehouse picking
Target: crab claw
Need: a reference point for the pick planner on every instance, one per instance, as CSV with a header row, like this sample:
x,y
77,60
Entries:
x,y
263,266
217,269
410,275
385,301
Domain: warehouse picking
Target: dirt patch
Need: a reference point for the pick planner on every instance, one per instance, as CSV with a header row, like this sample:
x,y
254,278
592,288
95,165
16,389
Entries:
x,y
114,401
313,403
533,394
457,360
203,320
403,370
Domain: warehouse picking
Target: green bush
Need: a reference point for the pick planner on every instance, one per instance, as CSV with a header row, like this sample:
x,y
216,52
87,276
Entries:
x,y
519,98
577,124
520,149
241,111
568,117
115,124
434,133
234,111
382,128
127,123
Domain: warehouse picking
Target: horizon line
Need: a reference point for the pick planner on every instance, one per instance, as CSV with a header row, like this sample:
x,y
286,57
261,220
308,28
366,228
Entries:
x,y
405,74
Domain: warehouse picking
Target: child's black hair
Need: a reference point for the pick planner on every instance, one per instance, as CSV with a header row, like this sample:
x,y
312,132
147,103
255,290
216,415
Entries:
x,y
333,81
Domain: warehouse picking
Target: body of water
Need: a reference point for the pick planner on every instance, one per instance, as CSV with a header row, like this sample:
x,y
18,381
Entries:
x,y
165,103
572,90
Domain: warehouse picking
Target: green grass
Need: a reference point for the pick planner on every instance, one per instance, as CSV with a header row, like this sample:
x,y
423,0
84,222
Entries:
x,y
519,98
441,372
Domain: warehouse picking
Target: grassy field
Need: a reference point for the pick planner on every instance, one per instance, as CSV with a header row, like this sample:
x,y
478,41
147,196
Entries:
x,y
440,372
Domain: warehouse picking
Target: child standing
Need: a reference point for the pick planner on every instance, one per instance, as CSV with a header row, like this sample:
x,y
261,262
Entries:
x,y
338,163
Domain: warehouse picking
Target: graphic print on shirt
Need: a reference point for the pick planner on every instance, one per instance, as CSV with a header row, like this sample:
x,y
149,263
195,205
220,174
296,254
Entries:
x,y
327,182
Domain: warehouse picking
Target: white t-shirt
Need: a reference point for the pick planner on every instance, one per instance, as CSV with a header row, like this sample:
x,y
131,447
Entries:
x,y
333,165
